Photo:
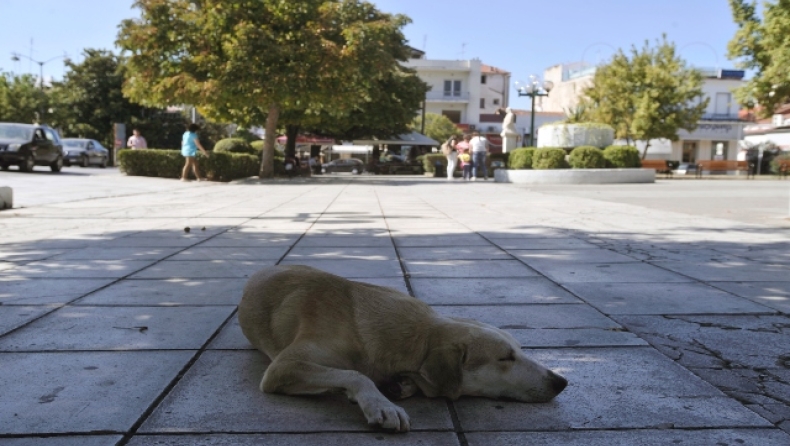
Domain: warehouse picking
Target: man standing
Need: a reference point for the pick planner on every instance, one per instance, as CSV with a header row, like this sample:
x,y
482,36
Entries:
x,y
479,145
136,141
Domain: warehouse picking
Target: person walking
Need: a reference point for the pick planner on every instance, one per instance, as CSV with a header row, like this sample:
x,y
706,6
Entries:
x,y
451,153
465,158
479,146
136,141
189,147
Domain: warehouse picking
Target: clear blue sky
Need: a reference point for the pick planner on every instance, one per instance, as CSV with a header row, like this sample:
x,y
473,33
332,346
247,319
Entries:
x,y
523,37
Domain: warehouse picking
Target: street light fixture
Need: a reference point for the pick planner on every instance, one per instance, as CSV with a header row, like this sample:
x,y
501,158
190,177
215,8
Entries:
x,y
533,89
16,57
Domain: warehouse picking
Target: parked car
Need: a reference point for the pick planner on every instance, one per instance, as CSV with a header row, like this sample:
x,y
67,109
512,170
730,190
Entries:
x,y
85,152
27,145
397,164
352,165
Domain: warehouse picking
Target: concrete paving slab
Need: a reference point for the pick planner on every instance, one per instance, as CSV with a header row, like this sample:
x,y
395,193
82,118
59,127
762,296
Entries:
x,y
231,337
317,439
203,269
217,253
220,393
15,290
27,255
608,273
439,240
743,271
575,337
343,241
618,388
468,268
76,440
542,243
78,269
771,294
570,256
168,292
81,392
104,253
15,316
662,298
118,328
641,437
318,253
515,317
176,240
226,241
390,282
455,253
506,290
351,268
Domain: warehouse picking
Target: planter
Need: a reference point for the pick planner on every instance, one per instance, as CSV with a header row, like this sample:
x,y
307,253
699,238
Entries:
x,y
575,135
575,176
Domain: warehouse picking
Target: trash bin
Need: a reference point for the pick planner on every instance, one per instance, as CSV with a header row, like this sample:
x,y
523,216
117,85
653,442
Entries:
x,y
440,170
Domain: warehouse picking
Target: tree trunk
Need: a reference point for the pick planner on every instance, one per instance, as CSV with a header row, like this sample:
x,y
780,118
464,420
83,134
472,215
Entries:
x,y
267,160
292,132
647,146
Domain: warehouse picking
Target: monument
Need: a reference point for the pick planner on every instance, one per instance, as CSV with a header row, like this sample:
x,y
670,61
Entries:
x,y
509,133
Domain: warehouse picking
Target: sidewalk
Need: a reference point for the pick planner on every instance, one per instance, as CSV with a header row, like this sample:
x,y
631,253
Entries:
x,y
117,326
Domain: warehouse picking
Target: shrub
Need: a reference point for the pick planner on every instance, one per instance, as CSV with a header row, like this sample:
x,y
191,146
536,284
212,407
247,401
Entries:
x,y
587,157
521,158
234,145
429,161
622,157
168,164
549,158
776,163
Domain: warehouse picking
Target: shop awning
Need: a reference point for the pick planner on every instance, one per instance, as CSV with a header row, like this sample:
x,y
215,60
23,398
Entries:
x,y
313,140
407,139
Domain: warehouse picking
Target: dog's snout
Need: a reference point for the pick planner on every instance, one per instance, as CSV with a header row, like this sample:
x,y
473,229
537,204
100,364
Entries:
x,y
558,383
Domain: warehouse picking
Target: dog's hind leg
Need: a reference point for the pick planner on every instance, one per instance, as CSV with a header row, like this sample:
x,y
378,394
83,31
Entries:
x,y
301,377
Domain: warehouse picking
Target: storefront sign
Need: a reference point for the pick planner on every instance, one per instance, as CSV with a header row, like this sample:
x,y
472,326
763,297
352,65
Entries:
x,y
712,130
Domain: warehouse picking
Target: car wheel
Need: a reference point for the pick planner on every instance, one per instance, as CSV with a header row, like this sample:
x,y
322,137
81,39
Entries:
x,y
84,161
103,164
27,164
4,166
323,170
66,163
57,164
355,171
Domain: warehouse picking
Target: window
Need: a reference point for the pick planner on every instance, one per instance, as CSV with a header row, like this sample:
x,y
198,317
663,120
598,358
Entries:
x,y
452,88
39,135
453,115
483,79
690,152
496,101
482,102
716,152
722,104
50,135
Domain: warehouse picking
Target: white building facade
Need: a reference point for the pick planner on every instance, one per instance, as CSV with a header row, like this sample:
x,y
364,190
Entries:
x,y
717,136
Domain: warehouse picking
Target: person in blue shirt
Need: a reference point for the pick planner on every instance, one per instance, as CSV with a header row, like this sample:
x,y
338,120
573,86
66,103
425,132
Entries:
x,y
189,147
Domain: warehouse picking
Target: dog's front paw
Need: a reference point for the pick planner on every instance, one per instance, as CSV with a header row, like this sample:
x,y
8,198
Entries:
x,y
386,415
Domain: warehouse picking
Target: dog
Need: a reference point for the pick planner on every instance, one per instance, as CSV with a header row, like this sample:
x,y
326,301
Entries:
x,y
324,333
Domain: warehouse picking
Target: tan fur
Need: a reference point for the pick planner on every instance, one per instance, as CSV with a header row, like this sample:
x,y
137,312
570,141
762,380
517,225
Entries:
x,y
324,333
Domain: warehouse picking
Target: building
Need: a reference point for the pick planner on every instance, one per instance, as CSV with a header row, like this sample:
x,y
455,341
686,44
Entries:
x,y
468,92
774,130
716,137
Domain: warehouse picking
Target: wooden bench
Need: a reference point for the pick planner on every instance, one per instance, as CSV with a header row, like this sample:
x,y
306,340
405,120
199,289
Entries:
x,y
725,166
660,166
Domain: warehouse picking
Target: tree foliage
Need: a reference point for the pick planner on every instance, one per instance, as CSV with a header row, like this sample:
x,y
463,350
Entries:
x,y
246,61
21,100
762,46
647,94
437,127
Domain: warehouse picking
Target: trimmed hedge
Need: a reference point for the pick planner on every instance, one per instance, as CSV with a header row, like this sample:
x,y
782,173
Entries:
x,y
234,145
622,157
521,158
169,163
549,158
776,163
587,157
429,160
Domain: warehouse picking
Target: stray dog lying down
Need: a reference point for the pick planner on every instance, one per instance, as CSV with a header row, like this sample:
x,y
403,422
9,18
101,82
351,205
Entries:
x,y
324,333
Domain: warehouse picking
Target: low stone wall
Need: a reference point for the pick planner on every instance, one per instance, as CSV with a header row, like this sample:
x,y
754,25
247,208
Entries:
x,y
575,176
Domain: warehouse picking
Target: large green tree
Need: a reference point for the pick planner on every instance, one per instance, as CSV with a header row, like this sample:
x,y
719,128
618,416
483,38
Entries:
x,y
762,45
22,100
647,94
248,61
437,127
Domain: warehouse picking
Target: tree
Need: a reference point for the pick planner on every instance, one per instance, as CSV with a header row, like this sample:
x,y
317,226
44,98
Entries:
x,y
21,100
762,46
246,61
649,95
438,127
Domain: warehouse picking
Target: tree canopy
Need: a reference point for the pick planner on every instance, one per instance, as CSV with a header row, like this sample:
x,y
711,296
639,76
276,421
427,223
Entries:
x,y
437,127
21,100
246,61
649,94
762,46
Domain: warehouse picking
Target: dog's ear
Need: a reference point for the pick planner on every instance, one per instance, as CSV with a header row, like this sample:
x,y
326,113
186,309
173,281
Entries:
x,y
442,371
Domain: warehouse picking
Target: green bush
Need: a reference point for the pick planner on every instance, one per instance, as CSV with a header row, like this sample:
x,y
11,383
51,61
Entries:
x,y
234,145
521,158
549,158
169,163
776,163
429,160
587,157
622,157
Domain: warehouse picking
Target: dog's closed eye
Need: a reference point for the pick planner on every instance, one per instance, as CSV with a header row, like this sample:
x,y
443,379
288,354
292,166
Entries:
x,y
511,356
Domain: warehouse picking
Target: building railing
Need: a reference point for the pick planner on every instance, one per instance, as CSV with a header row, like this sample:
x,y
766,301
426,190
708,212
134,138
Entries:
x,y
443,96
721,117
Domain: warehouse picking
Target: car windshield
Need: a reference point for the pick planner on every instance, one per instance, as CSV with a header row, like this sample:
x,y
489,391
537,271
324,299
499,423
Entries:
x,y
74,143
16,131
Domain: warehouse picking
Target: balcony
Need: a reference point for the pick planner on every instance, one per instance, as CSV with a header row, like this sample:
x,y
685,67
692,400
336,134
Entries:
x,y
439,65
722,117
441,96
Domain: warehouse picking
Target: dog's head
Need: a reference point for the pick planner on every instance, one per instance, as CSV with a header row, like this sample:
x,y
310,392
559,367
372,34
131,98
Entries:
x,y
471,358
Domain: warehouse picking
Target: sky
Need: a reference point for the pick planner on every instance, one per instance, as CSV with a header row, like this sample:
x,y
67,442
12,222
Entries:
x,y
523,37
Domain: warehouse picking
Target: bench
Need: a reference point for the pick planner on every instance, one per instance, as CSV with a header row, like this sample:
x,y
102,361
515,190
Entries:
x,y
724,166
660,166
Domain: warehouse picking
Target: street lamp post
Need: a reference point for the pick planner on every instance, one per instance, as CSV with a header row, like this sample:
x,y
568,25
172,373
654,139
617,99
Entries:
x,y
16,57
533,89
